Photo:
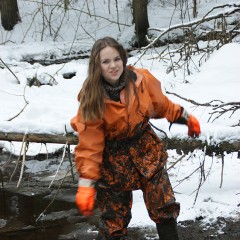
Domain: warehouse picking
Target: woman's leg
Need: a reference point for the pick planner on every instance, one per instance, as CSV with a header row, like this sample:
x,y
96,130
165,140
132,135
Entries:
x,y
115,209
167,230
161,205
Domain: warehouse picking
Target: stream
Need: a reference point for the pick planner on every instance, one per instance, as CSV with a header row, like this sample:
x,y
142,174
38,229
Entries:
x,y
40,208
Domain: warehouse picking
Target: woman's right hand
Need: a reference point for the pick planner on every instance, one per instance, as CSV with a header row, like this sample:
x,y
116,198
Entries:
x,y
85,198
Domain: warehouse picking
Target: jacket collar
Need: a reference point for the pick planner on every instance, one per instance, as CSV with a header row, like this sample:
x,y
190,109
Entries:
x,y
132,96
139,75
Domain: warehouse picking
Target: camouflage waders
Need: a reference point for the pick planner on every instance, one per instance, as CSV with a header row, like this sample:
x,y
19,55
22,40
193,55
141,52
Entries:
x,y
131,164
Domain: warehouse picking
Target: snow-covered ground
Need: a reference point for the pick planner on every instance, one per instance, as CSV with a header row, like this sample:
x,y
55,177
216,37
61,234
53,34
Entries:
x,y
50,107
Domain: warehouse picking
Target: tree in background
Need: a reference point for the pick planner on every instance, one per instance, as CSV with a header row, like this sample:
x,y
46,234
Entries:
x,y
9,14
140,18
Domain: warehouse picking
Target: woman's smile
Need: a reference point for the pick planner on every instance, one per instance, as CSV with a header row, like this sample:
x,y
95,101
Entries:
x,y
111,65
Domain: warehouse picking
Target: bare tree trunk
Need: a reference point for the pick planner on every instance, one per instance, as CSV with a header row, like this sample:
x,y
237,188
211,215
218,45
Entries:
x,y
9,14
140,18
194,8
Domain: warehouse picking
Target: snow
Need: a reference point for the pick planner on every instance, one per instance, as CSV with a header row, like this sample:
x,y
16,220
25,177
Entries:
x,y
212,201
48,108
214,79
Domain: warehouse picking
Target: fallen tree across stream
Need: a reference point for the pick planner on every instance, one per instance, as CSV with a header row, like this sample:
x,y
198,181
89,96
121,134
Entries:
x,y
184,145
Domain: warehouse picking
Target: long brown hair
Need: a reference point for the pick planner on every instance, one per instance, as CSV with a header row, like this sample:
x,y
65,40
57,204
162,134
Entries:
x,y
92,94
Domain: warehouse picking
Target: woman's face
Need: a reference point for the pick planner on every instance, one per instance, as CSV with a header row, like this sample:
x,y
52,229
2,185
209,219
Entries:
x,y
111,65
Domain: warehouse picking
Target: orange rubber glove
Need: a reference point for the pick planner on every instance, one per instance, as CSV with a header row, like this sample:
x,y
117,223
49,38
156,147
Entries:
x,y
85,199
193,126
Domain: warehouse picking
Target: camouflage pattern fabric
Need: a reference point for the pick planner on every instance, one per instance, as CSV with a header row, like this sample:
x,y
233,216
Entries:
x,y
135,163
125,159
115,206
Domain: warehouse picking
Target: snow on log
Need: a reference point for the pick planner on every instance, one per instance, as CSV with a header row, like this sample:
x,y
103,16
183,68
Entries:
x,y
184,145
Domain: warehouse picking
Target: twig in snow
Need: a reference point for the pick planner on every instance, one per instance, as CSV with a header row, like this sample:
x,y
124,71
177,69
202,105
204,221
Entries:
x,y
202,179
187,177
180,159
10,70
10,119
222,170
26,103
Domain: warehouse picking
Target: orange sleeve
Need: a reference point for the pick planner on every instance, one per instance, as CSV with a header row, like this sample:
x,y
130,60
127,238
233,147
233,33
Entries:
x,y
163,106
88,152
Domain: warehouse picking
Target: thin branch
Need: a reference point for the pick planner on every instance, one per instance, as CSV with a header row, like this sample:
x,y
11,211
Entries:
x,y
16,166
187,177
107,19
189,31
222,171
208,104
26,103
192,23
116,4
180,159
64,152
70,161
10,119
202,178
23,163
41,215
219,108
10,70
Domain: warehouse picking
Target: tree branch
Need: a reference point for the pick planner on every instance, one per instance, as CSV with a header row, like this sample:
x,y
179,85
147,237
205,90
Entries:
x,y
218,109
10,70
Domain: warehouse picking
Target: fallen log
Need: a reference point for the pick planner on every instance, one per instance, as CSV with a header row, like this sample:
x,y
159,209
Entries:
x,y
184,145
39,138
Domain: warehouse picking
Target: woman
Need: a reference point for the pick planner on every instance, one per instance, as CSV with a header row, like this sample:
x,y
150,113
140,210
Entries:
x,y
118,151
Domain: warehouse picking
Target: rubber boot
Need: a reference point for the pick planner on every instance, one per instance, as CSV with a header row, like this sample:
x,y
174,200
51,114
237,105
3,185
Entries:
x,y
167,230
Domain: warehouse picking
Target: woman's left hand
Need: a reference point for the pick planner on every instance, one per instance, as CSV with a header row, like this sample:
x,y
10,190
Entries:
x,y
193,126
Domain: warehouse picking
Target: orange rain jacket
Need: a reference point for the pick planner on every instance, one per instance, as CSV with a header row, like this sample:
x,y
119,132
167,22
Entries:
x,y
120,122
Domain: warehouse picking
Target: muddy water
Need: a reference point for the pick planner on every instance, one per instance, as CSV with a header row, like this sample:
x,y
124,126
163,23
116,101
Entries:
x,y
35,211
